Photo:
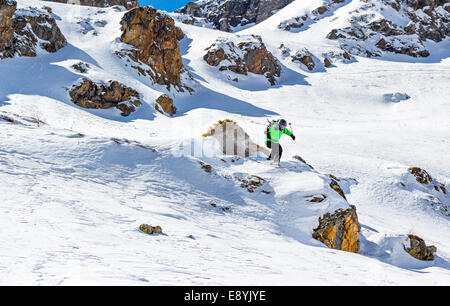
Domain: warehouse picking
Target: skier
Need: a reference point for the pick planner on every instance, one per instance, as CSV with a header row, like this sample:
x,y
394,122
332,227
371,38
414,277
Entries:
x,y
274,132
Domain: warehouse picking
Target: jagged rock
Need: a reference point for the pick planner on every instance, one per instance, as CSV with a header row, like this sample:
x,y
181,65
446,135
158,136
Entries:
x,y
418,249
148,229
296,24
234,140
7,119
166,103
226,15
207,168
339,230
251,183
128,4
192,9
21,30
424,178
7,9
245,54
103,96
429,192
317,198
154,37
304,57
300,159
421,20
81,67
336,187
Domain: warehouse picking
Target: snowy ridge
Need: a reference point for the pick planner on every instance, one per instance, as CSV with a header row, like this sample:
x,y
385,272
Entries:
x,y
77,183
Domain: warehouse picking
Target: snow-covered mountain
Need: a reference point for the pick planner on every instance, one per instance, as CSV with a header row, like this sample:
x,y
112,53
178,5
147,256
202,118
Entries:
x,y
231,15
113,118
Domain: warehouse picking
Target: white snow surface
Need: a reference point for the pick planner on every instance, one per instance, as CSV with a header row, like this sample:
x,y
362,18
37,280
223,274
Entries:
x,y
76,184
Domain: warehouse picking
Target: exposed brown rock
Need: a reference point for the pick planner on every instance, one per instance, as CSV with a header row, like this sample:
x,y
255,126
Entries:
x,y
339,230
166,103
225,15
248,55
103,96
148,229
336,187
7,119
20,31
304,57
421,175
395,37
424,178
418,249
155,38
7,9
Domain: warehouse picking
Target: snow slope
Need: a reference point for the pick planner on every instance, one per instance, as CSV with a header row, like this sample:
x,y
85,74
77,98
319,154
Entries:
x,y
76,185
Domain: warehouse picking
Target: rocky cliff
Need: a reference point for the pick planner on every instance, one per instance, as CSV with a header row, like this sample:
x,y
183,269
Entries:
x,y
243,55
225,15
373,29
23,30
154,37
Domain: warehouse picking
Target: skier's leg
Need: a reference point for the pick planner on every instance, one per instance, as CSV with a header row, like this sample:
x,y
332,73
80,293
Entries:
x,y
269,145
276,152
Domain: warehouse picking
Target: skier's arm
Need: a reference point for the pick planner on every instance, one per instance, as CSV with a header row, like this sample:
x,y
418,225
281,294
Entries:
x,y
287,132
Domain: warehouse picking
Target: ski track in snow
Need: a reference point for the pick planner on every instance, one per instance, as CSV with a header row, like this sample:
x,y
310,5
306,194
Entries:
x,y
71,204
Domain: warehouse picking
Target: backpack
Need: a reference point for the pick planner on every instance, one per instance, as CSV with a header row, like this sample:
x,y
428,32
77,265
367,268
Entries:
x,y
271,123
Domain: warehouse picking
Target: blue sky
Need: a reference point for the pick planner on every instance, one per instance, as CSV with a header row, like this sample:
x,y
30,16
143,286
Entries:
x,y
168,5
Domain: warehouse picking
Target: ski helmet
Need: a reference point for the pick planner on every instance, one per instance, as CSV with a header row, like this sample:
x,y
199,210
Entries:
x,y
282,124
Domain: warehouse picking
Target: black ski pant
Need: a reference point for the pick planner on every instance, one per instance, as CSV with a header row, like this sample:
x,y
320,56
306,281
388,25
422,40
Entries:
x,y
276,152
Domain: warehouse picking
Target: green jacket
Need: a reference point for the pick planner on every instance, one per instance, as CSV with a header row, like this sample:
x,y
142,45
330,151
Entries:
x,y
275,133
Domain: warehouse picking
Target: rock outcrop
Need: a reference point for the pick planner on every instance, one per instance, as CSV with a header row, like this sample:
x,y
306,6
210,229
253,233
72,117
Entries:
x,y
373,31
339,230
91,95
418,249
227,15
429,192
7,9
299,23
164,104
23,30
243,55
128,4
156,51
148,229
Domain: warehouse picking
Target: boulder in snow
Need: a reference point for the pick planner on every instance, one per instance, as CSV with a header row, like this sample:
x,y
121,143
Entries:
x,y
148,229
418,249
89,94
339,230
164,104
426,190
242,55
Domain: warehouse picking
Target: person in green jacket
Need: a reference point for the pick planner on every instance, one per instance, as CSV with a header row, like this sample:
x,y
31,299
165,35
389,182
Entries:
x,y
274,133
